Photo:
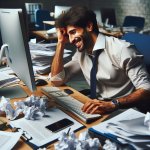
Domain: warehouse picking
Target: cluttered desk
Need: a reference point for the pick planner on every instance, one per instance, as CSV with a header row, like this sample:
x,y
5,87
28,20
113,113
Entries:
x,y
43,114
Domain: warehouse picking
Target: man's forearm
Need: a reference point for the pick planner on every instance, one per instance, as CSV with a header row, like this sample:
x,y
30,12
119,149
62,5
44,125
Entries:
x,y
57,64
139,95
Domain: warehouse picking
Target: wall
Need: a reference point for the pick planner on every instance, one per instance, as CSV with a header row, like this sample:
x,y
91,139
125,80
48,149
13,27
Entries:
x,y
125,7
122,7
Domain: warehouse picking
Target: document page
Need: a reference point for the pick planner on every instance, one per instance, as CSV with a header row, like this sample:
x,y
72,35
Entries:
x,y
36,128
8,139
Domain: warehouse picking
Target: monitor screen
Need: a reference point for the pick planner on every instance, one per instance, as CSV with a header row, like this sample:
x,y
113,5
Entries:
x,y
17,50
109,13
60,9
98,17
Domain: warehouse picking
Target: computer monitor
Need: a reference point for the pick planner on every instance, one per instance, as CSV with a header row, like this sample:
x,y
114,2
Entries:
x,y
15,45
60,9
108,13
98,17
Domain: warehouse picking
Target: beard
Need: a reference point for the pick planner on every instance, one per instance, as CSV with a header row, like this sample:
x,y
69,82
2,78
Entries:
x,y
86,42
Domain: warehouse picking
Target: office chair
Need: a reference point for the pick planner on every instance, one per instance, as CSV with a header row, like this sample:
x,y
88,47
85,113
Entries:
x,y
134,21
40,16
142,43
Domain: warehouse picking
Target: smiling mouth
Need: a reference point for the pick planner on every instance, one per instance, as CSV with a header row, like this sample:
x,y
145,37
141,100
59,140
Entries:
x,y
77,42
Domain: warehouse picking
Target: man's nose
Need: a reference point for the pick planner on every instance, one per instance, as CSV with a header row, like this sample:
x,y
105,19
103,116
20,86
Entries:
x,y
71,39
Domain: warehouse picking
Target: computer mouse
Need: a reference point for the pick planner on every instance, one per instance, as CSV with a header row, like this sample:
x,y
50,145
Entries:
x,y
40,82
68,91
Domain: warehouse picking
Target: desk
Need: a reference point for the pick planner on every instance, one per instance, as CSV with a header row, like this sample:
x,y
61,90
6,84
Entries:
x,y
21,145
42,35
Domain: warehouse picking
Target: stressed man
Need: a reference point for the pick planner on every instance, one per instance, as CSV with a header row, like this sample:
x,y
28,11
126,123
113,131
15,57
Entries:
x,y
121,77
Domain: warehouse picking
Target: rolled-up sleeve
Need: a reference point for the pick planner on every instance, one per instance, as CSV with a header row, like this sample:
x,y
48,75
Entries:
x,y
132,63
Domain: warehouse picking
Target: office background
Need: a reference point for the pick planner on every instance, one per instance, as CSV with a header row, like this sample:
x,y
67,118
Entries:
x,y
121,8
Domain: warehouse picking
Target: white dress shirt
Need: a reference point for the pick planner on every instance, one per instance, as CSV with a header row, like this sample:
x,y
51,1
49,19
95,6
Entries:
x,y
120,68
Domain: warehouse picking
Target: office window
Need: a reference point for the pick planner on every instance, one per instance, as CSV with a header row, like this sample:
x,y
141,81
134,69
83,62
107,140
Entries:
x,y
30,10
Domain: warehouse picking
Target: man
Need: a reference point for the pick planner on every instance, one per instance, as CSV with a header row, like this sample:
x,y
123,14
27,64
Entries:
x,y
122,79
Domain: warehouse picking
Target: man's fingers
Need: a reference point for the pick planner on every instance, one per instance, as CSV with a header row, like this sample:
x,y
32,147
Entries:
x,y
85,106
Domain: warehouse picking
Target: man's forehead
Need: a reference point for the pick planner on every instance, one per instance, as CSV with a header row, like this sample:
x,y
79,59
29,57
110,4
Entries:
x,y
70,28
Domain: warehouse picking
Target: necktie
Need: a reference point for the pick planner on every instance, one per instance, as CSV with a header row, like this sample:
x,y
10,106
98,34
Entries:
x,y
93,75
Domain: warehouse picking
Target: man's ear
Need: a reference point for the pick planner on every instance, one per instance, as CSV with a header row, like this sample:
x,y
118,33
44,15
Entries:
x,y
89,27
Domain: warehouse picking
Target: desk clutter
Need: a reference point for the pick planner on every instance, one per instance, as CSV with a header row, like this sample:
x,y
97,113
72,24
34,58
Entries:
x,y
129,129
42,55
36,116
32,107
7,79
71,142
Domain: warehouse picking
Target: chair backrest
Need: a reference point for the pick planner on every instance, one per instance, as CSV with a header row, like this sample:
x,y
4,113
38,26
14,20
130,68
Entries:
x,y
142,43
40,16
135,21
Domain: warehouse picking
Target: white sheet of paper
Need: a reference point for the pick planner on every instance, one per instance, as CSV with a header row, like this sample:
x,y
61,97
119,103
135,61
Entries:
x,y
8,139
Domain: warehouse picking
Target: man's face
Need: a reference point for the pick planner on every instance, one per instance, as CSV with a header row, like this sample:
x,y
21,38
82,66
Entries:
x,y
80,37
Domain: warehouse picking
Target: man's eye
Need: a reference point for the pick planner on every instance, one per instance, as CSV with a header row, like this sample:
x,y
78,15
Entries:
x,y
73,32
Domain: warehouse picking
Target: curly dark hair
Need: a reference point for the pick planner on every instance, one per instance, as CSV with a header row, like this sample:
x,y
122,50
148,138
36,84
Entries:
x,y
78,16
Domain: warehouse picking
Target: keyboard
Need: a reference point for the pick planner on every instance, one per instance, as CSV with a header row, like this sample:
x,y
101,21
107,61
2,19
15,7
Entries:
x,y
69,103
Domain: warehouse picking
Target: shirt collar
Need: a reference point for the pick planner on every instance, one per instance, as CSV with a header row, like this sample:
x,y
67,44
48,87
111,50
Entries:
x,y
100,42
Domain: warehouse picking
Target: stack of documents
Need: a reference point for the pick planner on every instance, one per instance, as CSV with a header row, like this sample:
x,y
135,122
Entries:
x,y
42,55
126,128
7,80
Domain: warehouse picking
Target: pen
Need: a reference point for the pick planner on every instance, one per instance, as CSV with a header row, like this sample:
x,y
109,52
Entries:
x,y
68,131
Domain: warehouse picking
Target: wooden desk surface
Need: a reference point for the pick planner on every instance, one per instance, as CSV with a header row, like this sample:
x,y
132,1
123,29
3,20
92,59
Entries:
x,y
21,145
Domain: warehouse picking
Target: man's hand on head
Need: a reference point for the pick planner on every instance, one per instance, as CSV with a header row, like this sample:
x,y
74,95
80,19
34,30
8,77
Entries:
x,y
62,35
98,107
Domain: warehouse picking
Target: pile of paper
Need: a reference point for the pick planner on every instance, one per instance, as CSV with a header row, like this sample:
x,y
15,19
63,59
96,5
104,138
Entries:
x,y
126,129
42,55
7,80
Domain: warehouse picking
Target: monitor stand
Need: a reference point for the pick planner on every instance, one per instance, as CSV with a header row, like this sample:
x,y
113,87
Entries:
x,y
13,92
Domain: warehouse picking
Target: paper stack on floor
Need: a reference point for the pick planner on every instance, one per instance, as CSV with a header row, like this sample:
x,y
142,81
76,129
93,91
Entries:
x,y
126,128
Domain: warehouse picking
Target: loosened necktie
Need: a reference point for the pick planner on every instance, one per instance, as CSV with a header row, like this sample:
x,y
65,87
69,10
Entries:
x,y
93,75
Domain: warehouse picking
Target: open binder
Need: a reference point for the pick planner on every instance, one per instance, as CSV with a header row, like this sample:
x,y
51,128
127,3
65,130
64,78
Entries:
x,y
36,135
